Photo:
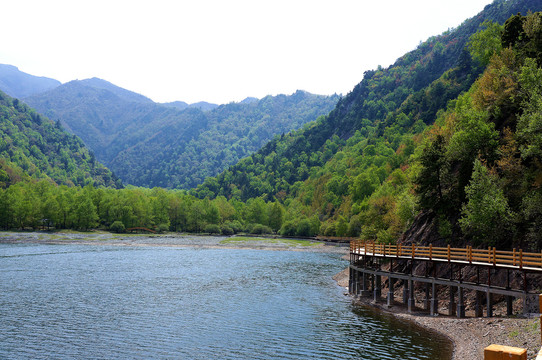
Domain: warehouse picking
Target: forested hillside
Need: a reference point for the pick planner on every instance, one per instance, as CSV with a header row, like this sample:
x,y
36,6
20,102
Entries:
x,y
34,147
225,135
444,146
148,144
353,171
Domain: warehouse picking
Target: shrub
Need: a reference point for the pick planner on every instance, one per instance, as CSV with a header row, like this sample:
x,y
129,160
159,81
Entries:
x,y
162,228
117,227
235,225
261,229
226,230
212,229
289,228
304,228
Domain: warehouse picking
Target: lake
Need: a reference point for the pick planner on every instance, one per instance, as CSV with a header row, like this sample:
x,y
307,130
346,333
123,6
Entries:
x,y
159,302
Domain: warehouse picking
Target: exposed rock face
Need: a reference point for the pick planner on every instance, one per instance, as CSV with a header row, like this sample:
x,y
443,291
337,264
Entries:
x,y
424,230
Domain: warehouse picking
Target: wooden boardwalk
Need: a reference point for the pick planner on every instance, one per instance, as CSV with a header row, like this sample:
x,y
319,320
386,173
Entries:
x,y
516,259
370,262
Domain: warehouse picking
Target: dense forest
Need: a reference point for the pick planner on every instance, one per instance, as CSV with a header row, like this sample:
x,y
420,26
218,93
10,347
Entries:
x,y
34,147
355,170
172,145
448,136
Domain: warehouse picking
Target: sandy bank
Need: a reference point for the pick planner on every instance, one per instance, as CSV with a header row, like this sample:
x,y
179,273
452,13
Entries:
x,y
169,240
470,335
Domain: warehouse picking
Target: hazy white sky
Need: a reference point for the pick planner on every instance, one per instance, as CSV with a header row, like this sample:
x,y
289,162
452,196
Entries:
x,y
220,50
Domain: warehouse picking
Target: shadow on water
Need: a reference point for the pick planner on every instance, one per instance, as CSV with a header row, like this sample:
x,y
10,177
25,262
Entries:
x,y
408,338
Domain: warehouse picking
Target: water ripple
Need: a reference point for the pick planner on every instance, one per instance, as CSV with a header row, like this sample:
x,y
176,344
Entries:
x,y
163,303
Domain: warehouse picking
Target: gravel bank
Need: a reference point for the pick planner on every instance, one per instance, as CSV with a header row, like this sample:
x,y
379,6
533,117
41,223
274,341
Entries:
x,y
170,240
469,335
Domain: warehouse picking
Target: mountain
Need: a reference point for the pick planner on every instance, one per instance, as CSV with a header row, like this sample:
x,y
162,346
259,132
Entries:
x,y
32,146
149,144
181,105
353,172
221,137
249,100
19,84
118,91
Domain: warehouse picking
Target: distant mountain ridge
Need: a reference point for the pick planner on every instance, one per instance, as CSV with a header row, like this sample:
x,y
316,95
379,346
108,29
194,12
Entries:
x,y
172,145
19,84
181,105
120,92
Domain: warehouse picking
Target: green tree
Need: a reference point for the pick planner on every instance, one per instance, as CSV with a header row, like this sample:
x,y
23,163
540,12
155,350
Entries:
x,y
529,128
85,212
430,182
486,216
276,215
486,42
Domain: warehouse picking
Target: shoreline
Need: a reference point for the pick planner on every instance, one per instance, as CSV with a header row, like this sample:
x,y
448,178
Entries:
x,y
469,336
168,240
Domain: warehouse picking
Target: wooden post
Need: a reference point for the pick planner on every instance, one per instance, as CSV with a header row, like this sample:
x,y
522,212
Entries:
x,y
451,304
494,256
377,289
433,306
540,309
427,300
390,292
478,311
431,251
411,300
405,292
449,257
413,250
460,303
521,258
489,304
509,303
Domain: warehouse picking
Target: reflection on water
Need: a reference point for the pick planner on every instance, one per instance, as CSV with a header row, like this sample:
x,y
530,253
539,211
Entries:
x,y
75,301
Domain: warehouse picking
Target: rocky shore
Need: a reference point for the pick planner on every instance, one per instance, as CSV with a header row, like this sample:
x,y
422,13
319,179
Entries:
x,y
469,335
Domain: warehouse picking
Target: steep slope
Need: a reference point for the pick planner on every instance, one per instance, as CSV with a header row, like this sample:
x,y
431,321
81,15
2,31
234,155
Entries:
x,y
341,174
18,84
227,134
149,144
104,117
480,177
32,146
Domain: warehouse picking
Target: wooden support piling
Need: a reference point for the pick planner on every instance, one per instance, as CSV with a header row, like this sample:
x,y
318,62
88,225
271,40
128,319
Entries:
x,y
367,257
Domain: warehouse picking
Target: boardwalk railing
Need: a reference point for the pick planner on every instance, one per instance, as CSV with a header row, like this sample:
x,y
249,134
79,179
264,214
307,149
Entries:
x,y
490,256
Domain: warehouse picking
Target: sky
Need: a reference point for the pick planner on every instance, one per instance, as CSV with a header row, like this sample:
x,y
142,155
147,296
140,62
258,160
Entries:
x,y
220,51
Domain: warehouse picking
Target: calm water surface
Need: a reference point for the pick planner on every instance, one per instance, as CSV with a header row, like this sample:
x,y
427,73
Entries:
x,y
111,302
